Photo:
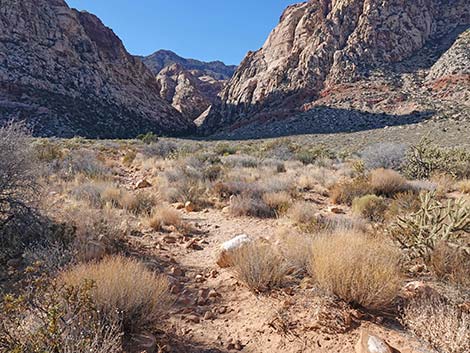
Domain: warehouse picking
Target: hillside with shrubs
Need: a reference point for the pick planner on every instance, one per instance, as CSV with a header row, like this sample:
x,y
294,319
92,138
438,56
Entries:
x,y
171,245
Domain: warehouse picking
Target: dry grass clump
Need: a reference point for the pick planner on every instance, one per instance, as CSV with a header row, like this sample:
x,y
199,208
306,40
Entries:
x,y
125,287
357,268
444,182
387,182
278,201
304,215
259,266
443,326
296,248
402,203
250,205
451,265
371,207
165,216
464,186
344,192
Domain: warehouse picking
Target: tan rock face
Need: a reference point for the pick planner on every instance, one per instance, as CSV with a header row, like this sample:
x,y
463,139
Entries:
x,y
67,74
322,44
186,93
190,86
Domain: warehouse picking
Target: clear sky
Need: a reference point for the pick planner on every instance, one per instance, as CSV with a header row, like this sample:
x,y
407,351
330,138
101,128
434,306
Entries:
x,y
201,29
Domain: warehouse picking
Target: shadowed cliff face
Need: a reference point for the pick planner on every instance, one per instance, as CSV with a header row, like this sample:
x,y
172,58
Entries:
x,y
67,74
367,55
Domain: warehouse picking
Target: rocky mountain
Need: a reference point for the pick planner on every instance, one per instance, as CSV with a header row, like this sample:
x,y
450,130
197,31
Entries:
x,y
191,86
163,58
389,58
67,74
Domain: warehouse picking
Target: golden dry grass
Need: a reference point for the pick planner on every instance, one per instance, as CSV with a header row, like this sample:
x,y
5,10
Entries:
x,y
387,182
165,216
259,266
278,201
304,216
125,287
345,191
296,248
357,268
464,186
451,265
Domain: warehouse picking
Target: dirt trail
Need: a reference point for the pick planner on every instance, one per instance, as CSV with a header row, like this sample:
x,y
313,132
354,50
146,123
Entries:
x,y
213,312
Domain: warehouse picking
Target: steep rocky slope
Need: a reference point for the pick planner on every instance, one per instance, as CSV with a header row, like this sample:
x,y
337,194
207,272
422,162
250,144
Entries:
x,y
189,85
364,55
67,74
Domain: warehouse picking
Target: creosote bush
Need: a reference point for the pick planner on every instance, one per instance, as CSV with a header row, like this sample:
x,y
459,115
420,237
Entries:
x,y
360,269
259,266
124,287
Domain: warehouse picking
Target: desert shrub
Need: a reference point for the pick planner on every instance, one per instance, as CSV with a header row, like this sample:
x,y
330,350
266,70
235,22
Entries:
x,y
445,183
139,203
225,149
451,265
278,201
403,203
370,207
425,158
357,268
418,233
421,185
126,287
18,184
384,155
129,158
283,149
387,182
241,160
259,266
464,186
47,150
344,192
90,192
443,326
47,317
148,138
310,156
82,162
304,216
250,205
165,216
277,164
163,149
296,248
189,190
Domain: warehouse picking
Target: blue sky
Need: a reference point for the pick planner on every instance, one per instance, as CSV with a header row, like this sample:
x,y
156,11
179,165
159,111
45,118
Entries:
x,y
202,29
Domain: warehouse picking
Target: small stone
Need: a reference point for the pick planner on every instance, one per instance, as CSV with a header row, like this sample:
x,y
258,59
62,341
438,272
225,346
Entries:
x,y
369,343
199,278
169,239
178,205
209,315
213,294
336,210
193,318
142,184
145,342
189,207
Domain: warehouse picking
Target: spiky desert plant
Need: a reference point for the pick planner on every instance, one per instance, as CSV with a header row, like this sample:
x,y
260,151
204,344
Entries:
x,y
419,232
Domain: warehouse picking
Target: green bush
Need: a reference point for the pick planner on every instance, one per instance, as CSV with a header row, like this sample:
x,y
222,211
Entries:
x,y
370,207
